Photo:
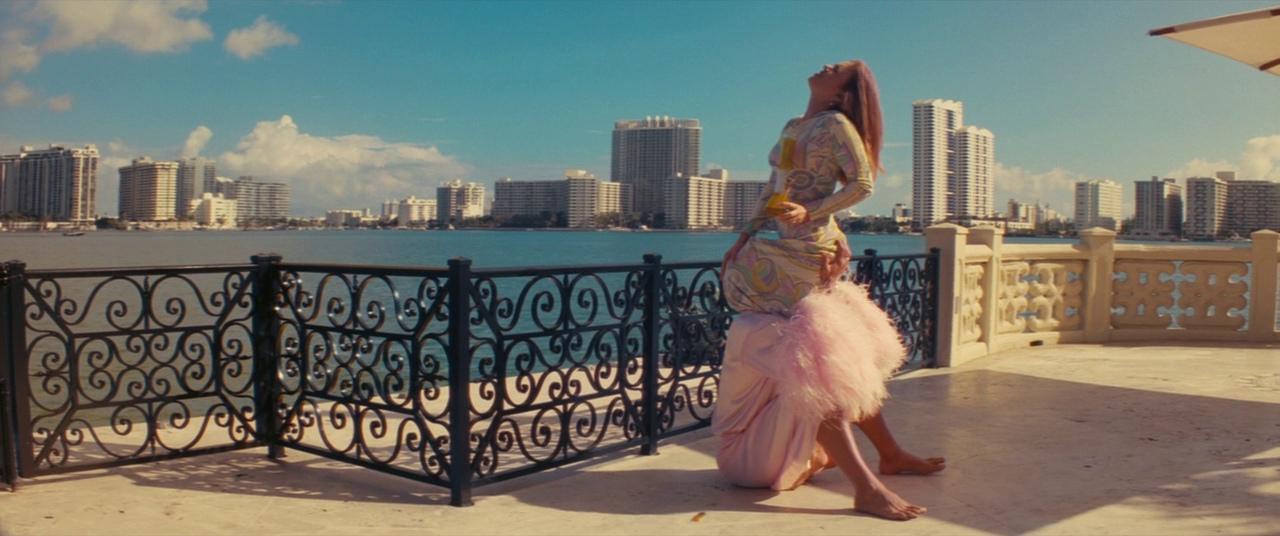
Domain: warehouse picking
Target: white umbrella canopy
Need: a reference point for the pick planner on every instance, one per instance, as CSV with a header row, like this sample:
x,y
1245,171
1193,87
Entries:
x,y
1252,37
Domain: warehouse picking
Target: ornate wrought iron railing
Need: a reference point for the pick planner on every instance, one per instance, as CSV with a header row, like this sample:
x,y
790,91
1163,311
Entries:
x,y
450,376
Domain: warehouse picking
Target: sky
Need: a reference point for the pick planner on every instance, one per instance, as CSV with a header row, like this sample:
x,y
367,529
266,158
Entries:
x,y
356,102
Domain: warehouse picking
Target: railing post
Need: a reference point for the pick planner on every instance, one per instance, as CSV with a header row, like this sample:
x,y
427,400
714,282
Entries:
x,y
18,455
1262,305
266,357
460,382
931,267
1100,243
871,274
649,371
949,239
8,446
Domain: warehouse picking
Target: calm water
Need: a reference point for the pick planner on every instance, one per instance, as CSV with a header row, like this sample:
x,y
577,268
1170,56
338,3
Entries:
x,y
433,248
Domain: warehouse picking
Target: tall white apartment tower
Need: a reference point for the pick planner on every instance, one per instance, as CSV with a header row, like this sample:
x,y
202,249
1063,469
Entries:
x,y
973,189
952,166
649,151
148,190
1098,204
1206,207
1157,207
195,177
57,183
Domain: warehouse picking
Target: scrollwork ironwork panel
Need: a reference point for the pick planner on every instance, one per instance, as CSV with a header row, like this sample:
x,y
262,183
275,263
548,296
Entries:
x,y
362,366
556,357
132,365
694,319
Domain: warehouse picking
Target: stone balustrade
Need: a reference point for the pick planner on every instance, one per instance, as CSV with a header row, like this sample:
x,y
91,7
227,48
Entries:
x,y
997,296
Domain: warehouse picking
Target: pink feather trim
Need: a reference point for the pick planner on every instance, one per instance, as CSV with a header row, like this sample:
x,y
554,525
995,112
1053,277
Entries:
x,y
840,347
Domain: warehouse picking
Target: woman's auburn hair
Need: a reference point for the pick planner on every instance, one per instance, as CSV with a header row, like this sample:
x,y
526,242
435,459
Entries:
x,y
864,112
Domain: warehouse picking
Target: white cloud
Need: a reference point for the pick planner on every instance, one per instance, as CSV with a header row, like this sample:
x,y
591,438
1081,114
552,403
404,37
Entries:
x,y
353,170
17,94
144,27
196,141
15,54
61,103
254,40
1055,187
147,27
1260,159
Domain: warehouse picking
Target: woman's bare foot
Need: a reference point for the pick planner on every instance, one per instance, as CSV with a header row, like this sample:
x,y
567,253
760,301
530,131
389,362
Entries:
x,y
904,463
880,502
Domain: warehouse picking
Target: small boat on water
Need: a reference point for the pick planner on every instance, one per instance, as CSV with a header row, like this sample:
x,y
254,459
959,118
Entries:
x,y
73,233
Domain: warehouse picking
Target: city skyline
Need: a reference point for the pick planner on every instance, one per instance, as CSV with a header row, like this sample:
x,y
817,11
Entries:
x,y
461,99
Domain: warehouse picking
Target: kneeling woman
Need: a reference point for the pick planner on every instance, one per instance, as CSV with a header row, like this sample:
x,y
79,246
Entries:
x,y
808,355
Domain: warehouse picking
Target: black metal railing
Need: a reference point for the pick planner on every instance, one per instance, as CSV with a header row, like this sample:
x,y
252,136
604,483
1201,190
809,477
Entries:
x,y
452,376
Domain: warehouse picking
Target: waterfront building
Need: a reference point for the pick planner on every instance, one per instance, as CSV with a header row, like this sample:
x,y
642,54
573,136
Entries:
x,y
692,202
344,217
260,202
901,213
391,208
1098,204
1206,207
952,172
577,200
412,211
457,201
649,151
195,177
1252,205
213,210
740,200
1226,175
148,190
514,199
57,184
1157,208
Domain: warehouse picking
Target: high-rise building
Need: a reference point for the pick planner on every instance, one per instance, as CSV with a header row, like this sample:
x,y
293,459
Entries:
x,y
195,177
457,201
1098,204
953,166
513,199
901,213
259,202
693,202
213,210
148,190
412,211
57,184
1226,175
1157,208
575,201
1252,205
740,200
649,151
1206,207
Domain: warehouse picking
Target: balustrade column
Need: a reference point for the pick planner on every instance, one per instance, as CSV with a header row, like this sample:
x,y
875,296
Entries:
x,y
994,239
950,240
1100,243
1262,304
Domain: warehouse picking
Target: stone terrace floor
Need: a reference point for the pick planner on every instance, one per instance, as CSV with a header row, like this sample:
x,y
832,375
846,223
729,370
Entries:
x,y
1073,439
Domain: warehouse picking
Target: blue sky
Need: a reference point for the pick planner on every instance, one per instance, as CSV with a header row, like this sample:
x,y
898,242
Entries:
x,y
353,102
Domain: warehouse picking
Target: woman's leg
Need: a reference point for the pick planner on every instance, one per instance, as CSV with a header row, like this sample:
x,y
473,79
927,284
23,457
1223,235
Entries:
x,y
870,495
893,459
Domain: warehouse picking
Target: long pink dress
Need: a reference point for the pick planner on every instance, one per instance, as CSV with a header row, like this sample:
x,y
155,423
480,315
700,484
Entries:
x,y
800,352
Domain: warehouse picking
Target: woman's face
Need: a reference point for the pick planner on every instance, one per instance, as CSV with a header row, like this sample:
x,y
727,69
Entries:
x,y
829,81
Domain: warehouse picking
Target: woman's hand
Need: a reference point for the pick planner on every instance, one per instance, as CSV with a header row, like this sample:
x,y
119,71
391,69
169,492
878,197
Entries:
x,y
792,213
732,254
833,266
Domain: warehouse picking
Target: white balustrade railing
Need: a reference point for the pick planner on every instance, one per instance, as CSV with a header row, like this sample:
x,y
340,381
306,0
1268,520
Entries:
x,y
995,296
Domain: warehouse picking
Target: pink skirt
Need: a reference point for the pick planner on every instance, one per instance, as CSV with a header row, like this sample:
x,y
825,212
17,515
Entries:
x,y
782,376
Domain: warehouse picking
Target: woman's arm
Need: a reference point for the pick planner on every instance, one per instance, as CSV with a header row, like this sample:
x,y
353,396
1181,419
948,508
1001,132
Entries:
x,y
851,154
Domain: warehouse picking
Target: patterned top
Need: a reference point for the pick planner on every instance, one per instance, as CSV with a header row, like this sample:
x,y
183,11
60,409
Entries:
x,y
811,156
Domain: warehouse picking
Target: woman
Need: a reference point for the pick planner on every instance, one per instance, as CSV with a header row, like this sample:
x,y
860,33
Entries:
x,y
809,354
